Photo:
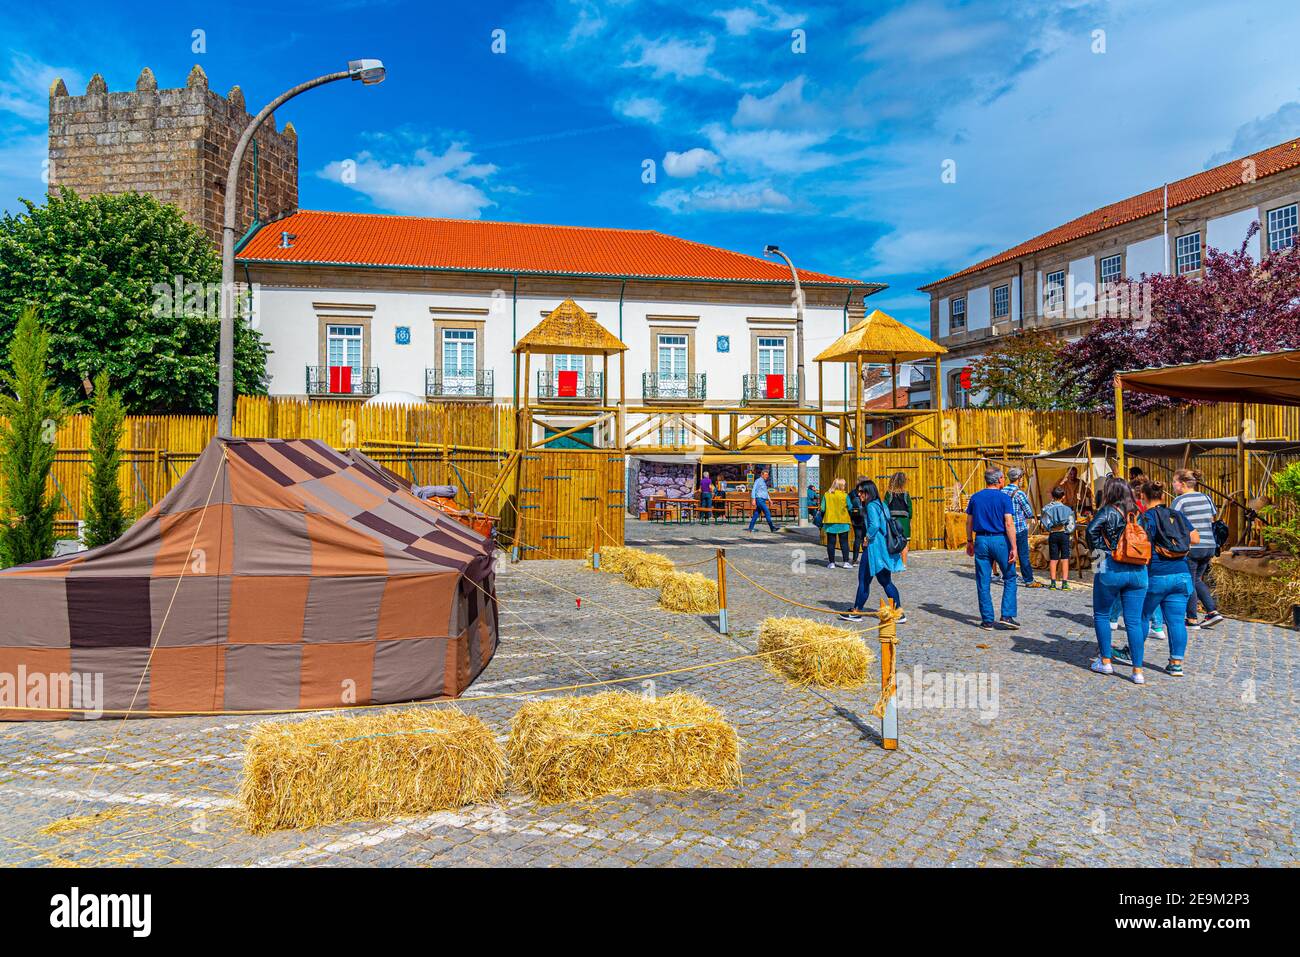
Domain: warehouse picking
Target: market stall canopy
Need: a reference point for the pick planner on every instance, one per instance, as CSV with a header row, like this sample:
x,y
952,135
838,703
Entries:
x,y
880,338
1095,446
1270,378
746,458
569,330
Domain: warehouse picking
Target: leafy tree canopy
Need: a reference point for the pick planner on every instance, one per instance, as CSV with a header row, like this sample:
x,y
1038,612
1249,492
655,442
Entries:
x,y
1023,371
96,270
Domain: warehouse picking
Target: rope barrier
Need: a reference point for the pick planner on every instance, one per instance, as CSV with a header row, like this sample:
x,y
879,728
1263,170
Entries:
x,y
788,601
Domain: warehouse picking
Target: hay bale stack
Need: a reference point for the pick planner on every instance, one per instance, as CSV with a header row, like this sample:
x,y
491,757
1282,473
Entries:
x,y
1263,591
614,558
646,569
689,591
351,767
574,749
808,652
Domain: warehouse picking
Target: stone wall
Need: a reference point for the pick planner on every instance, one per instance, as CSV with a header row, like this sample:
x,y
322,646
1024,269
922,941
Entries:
x,y
173,144
673,479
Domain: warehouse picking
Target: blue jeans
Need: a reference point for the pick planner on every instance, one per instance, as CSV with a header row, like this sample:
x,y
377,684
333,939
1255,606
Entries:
x,y
1198,566
993,550
1022,556
1170,592
1157,618
760,505
706,503
864,585
1128,584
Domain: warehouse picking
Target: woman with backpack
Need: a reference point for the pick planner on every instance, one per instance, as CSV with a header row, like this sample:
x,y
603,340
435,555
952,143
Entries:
x,y
899,504
1125,549
857,516
1169,581
881,557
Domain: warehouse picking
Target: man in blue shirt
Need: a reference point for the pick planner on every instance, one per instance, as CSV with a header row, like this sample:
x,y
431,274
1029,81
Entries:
x,y
1023,513
991,538
759,497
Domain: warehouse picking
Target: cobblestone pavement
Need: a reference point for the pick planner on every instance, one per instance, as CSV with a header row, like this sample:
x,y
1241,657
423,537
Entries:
x,y
1074,768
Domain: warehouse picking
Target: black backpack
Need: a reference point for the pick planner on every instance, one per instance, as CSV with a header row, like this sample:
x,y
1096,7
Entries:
x,y
1221,533
895,540
1173,538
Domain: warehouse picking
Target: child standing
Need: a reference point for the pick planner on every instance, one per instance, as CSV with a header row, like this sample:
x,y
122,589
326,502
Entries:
x,y
1058,519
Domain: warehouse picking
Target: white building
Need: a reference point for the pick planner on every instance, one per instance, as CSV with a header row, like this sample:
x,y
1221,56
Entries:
x,y
434,307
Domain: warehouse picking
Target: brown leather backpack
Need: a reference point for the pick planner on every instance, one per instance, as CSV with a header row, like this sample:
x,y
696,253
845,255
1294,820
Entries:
x,y
1134,546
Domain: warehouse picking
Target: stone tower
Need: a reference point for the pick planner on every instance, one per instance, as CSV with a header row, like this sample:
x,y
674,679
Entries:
x,y
173,144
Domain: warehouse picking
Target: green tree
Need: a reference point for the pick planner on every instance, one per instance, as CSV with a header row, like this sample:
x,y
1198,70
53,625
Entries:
x,y
29,421
105,521
105,273
1023,371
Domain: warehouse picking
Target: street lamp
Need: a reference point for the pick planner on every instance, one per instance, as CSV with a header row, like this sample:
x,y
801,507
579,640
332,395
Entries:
x,y
774,250
369,72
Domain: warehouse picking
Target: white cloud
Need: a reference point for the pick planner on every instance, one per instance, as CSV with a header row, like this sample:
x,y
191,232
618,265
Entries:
x,y
691,163
25,92
1262,132
745,198
674,57
926,250
430,184
741,21
778,150
640,108
784,108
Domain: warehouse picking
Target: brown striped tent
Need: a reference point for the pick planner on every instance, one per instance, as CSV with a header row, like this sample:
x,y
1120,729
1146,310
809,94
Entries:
x,y
276,575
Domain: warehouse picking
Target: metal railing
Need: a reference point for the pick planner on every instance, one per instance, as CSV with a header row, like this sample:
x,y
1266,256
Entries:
x,y
365,381
476,384
690,388
754,389
591,387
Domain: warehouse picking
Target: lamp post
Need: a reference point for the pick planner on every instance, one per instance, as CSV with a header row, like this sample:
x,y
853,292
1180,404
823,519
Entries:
x,y
368,72
773,250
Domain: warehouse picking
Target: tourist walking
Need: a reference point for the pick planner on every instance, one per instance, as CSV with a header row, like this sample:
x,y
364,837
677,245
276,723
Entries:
x,y
991,540
1059,522
758,497
1125,552
1169,581
899,504
835,522
877,560
858,517
706,497
1200,511
1023,513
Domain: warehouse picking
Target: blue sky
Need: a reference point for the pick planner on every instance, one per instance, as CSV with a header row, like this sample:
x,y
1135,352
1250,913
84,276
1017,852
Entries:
x,y
836,152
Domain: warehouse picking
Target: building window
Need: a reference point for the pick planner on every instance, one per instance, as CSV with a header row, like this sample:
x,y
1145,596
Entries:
x,y
1001,302
459,357
1281,228
673,354
1111,268
958,394
957,314
771,355
673,435
576,364
775,436
343,347
1187,253
1054,291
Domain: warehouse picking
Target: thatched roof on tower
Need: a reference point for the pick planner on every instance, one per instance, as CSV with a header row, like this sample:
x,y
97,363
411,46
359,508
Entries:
x,y
880,338
570,330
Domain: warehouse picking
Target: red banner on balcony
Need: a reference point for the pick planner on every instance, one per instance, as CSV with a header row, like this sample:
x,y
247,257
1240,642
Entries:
x,y
775,387
340,378
567,384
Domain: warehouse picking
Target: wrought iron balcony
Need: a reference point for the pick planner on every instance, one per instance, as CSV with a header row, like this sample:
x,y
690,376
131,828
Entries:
x,y
471,384
590,387
364,381
754,390
681,388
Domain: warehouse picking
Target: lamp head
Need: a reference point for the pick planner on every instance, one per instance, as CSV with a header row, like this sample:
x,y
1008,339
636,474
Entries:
x,y
368,72
771,250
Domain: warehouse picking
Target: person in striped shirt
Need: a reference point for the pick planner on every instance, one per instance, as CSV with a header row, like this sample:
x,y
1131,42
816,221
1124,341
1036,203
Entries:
x,y
1200,511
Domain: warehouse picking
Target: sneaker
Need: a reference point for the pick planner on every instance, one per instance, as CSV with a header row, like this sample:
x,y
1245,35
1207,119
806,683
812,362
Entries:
x,y
1175,669
850,616
1210,620
1192,624
986,625
1138,678
1008,623
845,565
1114,626
1156,634
1033,583
901,619
1101,668
1065,586
1122,655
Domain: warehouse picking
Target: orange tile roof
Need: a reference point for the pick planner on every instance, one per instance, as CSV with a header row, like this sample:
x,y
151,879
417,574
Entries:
x,y
368,239
1275,159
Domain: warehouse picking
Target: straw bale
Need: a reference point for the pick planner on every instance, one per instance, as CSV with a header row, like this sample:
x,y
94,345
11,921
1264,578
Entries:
x,y
808,652
689,591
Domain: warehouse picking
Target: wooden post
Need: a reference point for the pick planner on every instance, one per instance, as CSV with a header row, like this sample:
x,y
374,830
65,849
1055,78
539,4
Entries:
x,y
888,667
595,539
1119,425
858,424
722,591
821,391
